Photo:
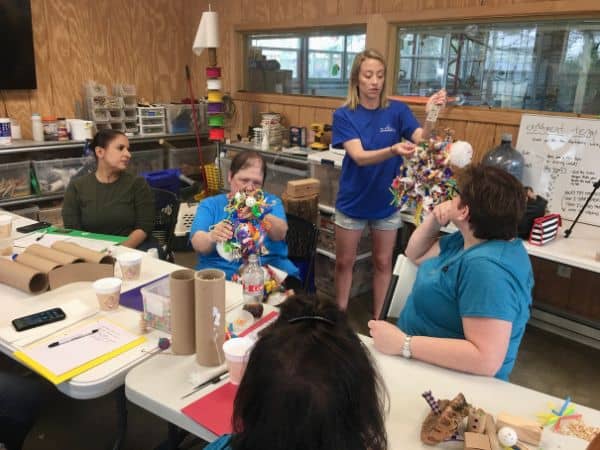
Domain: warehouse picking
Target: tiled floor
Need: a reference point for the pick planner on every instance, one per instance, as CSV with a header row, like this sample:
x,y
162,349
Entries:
x,y
546,362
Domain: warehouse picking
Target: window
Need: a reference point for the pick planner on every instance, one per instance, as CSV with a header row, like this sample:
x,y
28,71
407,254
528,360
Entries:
x,y
307,63
548,66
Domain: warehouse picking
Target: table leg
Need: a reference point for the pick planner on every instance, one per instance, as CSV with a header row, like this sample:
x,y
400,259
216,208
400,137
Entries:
x,y
175,437
121,418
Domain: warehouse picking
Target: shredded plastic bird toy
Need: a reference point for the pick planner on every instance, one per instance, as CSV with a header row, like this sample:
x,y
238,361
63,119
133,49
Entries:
x,y
245,212
427,179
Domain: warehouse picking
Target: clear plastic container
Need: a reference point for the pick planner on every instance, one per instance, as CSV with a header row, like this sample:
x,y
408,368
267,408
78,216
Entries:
x,y
146,161
14,180
506,157
54,175
157,304
187,159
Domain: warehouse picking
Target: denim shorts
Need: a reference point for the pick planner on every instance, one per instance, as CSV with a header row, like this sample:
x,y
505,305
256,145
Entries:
x,y
392,222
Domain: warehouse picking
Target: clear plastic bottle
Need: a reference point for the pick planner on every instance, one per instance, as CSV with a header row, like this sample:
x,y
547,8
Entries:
x,y
37,129
253,280
506,157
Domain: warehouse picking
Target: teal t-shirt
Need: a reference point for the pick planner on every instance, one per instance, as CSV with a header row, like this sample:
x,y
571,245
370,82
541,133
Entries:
x,y
493,279
212,211
220,444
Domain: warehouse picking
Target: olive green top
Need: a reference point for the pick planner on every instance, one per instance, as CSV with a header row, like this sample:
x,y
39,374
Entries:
x,y
109,208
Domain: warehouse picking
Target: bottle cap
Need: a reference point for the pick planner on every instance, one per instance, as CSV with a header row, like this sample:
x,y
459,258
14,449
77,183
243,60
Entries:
x,y
506,137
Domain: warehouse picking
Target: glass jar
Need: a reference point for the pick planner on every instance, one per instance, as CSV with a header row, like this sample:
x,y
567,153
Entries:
x,y
50,128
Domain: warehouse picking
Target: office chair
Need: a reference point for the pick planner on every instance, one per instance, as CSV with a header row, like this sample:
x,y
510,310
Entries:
x,y
166,205
301,239
403,278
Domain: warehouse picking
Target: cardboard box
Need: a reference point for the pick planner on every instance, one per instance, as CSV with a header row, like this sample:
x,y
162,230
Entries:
x,y
476,441
302,188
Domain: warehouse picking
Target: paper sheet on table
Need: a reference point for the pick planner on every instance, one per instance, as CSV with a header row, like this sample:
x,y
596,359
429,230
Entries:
x,y
75,311
89,349
47,239
214,410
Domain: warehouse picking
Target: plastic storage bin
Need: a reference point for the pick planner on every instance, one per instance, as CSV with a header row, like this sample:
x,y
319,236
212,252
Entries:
x,y
146,161
14,180
278,177
329,176
180,119
187,160
53,175
157,304
164,179
362,275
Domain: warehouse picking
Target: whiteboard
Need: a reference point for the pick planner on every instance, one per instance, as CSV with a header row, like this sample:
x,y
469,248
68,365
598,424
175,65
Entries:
x,y
562,162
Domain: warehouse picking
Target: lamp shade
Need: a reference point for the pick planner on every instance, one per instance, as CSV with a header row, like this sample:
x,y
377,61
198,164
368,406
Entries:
x,y
207,35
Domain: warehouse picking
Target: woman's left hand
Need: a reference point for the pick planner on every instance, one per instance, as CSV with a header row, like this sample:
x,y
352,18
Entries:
x,y
388,338
439,98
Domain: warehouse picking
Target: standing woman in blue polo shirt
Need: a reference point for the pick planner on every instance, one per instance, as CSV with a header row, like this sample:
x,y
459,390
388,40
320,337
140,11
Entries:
x,y
376,133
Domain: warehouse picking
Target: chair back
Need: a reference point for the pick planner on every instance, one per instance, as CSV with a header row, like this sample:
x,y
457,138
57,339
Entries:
x,y
403,278
301,239
166,205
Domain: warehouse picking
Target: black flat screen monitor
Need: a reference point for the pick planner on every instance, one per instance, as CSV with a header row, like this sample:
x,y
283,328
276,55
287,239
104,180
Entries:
x,y
17,62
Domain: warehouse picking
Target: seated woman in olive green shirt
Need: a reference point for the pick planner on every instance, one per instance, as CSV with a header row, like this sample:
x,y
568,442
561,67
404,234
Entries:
x,y
111,200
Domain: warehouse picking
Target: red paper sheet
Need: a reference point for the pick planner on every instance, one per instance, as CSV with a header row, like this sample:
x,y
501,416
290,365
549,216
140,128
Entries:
x,y
214,410
264,321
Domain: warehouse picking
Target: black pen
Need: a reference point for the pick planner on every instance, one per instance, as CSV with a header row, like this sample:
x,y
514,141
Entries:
x,y
73,338
219,377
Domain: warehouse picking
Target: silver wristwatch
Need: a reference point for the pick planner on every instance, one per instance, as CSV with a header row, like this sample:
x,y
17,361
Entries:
x,y
406,353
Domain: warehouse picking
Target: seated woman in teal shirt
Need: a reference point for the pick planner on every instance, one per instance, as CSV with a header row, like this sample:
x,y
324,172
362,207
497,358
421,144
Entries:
x,y
471,299
309,384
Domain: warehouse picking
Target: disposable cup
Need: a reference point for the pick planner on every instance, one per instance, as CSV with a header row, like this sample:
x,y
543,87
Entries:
x,y
131,265
5,225
108,292
6,246
237,351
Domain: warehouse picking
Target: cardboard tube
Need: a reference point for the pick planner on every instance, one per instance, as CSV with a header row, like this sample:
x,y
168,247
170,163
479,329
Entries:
x,y
82,252
183,325
209,295
36,262
51,254
22,277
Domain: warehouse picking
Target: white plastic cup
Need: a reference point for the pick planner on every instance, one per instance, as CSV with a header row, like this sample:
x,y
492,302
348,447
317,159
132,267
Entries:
x,y
131,265
237,352
6,246
5,225
108,292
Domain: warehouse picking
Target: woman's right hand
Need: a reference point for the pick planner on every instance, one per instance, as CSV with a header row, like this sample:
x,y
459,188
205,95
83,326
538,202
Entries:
x,y
222,231
441,213
404,148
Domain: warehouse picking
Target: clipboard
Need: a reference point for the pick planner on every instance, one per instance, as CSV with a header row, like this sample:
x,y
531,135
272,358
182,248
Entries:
x,y
62,356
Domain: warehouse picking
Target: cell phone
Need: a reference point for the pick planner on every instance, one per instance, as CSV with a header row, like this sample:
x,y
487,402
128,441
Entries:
x,y
38,319
33,227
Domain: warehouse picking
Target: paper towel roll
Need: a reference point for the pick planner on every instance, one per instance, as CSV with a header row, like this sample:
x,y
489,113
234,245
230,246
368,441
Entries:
x,y
207,35
37,262
183,328
51,254
23,277
210,316
87,254
213,85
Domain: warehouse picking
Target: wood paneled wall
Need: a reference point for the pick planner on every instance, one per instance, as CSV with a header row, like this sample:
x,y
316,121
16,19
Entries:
x,y
148,43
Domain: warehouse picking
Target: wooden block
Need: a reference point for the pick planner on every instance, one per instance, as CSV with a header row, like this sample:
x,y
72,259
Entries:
x,y
476,441
302,188
528,431
490,430
476,422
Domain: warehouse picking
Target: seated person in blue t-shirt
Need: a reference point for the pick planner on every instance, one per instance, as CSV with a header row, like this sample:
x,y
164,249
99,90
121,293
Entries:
x,y
471,299
247,172
310,384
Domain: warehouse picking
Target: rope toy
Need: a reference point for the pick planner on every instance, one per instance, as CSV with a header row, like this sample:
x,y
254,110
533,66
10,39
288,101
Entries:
x,y
246,211
426,179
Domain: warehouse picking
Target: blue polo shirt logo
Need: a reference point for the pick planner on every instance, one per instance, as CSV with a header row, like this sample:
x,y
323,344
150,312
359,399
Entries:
x,y
387,129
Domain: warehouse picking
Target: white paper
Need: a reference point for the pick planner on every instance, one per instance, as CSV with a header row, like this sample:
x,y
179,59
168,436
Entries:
x,y
207,35
73,354
75,310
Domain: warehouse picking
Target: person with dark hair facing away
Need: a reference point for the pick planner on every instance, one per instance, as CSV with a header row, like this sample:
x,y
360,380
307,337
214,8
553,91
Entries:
x,y
472,295
311,384
111,200
210,226
376,134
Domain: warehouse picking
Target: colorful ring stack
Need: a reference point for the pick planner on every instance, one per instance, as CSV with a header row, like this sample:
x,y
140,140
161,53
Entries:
x,y
216,118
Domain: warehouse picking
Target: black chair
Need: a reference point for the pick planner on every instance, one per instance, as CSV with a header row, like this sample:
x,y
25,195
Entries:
x,y
166,206
301,240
